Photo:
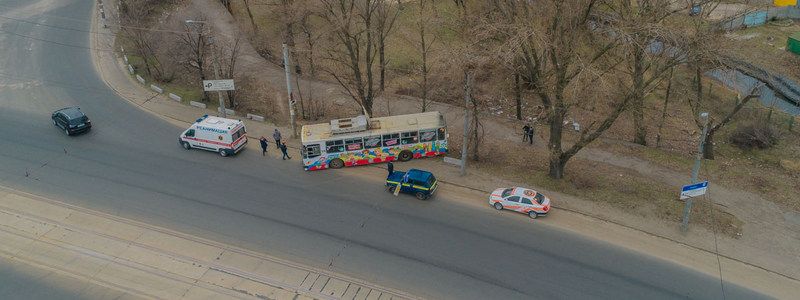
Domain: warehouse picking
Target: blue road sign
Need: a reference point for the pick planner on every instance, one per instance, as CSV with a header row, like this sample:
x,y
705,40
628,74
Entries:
x,y
694,190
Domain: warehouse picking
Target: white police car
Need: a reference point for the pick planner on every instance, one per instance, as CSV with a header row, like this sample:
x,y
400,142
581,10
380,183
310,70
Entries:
x,y
526,201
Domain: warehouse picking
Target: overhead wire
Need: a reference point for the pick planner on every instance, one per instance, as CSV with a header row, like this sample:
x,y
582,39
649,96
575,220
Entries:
x,y
52,42
65,85
54,26
120,26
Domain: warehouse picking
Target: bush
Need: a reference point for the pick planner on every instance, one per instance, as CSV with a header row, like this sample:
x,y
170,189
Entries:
x,y
756,135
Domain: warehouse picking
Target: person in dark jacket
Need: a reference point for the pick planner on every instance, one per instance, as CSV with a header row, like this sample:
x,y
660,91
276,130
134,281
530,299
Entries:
x,y
263,142
277,136
525,130
283,149
530,134
390,168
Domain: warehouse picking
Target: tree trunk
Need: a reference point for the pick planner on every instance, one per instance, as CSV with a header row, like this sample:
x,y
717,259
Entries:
x,y
640,136
424,52
518,95
708,145
382,62
556,167
476,134
556,130
664,109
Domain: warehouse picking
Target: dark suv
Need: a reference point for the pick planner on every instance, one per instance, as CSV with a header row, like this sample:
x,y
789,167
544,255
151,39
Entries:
x,y
72,120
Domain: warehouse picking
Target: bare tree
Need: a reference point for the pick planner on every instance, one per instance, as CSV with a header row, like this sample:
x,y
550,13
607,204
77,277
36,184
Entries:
x,y
650,47
229,54
353,47
562,63
311,108
708,50
194,42
424,25
134,15
386,14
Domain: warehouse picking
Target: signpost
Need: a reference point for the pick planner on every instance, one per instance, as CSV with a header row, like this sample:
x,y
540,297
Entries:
x,y
687,208
218,85
694,190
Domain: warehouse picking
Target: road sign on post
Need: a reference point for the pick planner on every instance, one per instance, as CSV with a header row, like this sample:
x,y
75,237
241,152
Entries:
x,y
218,85
694,190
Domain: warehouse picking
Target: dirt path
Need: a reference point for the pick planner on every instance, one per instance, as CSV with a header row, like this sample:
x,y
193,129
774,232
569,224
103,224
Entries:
x,y
768,239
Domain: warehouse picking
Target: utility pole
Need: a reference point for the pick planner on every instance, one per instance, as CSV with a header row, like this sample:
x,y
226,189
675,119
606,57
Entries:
x,y
286,67
467,100
214,60
687,209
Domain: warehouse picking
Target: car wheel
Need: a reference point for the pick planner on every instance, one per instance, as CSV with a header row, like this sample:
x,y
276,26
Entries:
x,y
223,153
187,146
390,189
498,206
421,196
533,214
54,122
405,155
337,163
66,131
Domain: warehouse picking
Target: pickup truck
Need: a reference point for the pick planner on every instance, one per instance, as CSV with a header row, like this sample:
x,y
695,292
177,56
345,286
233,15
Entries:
x,y
421,184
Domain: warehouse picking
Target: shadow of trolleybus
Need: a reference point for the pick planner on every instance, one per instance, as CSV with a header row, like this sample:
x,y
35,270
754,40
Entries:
x,y
362,141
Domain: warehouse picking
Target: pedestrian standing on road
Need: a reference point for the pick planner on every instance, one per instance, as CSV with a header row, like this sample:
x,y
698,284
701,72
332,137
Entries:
x,y
525,130
390,168
283,149
263,142
530,134
277,136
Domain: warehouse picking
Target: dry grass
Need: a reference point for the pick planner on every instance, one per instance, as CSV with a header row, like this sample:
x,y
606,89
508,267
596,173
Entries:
x,y
765,46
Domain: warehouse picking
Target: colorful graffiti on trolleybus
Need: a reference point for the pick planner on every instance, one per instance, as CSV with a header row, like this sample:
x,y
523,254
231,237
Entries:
x,y
361,141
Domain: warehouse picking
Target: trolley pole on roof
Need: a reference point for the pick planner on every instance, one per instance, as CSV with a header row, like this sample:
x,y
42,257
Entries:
x,y
286,67
467,100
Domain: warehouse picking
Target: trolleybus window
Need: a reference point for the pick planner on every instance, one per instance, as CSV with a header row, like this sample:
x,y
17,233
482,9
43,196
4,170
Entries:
x,y
353,144
372,142
391,139
427,135
442,134
334,146
311,151
409,137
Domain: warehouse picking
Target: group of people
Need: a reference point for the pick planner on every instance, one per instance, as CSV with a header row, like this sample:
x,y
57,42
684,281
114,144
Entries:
x,y
281,145
527,133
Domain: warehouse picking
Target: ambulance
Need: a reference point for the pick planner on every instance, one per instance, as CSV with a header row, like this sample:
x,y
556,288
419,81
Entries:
x,y
224,136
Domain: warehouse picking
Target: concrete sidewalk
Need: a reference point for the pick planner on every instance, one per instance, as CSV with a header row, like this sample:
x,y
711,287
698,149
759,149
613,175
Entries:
x,y
151,262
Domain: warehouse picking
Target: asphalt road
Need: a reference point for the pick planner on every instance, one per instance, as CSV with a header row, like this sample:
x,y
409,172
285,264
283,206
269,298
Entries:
x,y
131,165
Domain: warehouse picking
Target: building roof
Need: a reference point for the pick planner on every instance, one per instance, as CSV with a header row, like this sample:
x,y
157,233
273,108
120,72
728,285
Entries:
x,y
377,126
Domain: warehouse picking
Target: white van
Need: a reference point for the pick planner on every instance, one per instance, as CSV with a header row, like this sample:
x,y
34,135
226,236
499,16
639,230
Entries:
x,y
224,136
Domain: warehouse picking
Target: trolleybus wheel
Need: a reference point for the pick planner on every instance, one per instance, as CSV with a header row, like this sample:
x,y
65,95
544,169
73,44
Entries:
x,y
405,155
337,163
